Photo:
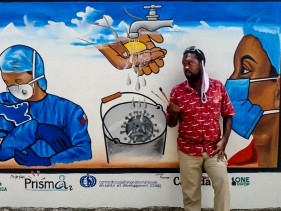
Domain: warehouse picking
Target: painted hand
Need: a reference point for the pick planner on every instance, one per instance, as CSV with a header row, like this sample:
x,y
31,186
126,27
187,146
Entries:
x,y
30,158
54,136
141,54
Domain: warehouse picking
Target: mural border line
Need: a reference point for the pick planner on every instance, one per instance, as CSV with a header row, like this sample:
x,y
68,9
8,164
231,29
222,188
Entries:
x,y
132,170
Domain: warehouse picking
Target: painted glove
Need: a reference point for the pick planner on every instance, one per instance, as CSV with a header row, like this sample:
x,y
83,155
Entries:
x,y
54,136
30,158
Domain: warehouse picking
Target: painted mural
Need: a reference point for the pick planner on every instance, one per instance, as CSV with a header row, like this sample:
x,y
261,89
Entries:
x,y
50,129
85,85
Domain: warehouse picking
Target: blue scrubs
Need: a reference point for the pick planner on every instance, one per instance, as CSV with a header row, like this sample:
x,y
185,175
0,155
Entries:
x,y
19,121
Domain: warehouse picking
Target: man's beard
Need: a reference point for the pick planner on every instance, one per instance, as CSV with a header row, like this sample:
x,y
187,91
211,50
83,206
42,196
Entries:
x,y
194,77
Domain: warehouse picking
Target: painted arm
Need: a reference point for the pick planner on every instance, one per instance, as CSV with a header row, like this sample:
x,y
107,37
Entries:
x,y
61,145
76,127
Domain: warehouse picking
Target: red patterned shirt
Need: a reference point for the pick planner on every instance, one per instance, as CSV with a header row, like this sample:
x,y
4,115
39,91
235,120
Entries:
x,y
199,126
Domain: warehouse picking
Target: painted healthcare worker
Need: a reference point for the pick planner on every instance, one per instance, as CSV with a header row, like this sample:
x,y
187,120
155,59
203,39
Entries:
x,y
254,90
37,128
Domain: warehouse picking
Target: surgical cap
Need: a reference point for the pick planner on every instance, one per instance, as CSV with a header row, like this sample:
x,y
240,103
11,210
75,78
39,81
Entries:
x,y
268,37
19,58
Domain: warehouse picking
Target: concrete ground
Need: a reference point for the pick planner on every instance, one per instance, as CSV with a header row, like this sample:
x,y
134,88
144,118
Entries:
x,y
121,209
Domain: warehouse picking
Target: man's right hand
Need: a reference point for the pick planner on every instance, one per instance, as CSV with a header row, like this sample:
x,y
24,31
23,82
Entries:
x,y
173,109
172,116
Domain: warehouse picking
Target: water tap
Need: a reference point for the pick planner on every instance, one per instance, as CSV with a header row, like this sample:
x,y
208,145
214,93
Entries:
x,y
152,14
152,22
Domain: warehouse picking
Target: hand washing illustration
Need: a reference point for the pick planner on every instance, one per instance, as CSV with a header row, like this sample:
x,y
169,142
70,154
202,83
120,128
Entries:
x,y
137,51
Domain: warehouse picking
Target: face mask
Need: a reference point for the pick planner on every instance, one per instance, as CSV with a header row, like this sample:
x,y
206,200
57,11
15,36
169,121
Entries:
x,y
247,114
23,91
205,83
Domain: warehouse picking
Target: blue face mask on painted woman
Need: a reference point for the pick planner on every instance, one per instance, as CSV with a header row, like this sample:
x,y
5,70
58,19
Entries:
x,y
247,114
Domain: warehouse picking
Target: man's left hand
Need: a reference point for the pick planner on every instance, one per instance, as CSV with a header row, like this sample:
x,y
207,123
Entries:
x,y
220,150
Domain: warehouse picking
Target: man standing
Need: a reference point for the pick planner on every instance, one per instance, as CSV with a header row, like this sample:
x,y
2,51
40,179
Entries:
x,y
197,104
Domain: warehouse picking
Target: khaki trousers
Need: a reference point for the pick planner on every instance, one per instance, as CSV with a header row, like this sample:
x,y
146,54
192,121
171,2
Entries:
x,y
191,175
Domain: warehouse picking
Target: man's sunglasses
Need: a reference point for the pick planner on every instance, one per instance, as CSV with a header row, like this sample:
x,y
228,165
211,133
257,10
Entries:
x,y
193,49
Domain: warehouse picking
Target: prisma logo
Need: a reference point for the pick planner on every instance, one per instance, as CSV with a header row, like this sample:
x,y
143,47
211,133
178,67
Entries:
x,y
42,184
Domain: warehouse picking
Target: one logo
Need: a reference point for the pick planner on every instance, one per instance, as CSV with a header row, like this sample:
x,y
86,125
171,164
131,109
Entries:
x,y
240,181
43,184
88,181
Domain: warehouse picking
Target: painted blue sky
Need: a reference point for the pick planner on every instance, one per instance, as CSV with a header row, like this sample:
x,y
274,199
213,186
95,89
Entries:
x,y
183,12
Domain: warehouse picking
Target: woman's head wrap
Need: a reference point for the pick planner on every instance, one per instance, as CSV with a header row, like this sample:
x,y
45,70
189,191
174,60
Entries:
x,y
268,37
